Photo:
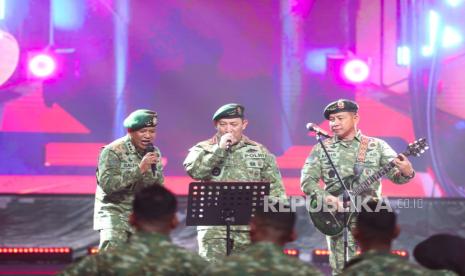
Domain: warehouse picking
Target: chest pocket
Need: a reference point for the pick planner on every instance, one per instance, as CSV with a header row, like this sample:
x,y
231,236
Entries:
x,y
129,161
324,159
254,167
372,160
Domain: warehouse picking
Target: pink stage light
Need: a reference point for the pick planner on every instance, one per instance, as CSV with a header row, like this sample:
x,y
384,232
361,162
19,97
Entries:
x,y
355,70
42,65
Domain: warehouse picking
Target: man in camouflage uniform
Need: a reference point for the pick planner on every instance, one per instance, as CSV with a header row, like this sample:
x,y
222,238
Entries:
x,y
344,149
375,229
125,166
230,156
149,250
269,232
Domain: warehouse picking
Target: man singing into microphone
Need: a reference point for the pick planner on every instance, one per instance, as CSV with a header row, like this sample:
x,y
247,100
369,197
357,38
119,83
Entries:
x,y
230,156
353,154
123,163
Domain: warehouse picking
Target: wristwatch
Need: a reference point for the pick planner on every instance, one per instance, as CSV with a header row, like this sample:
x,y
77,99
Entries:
x,y
412,175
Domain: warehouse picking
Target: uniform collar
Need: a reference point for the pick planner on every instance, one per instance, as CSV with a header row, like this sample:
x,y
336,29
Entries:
x,y
245,141
130,146
373,252
149,237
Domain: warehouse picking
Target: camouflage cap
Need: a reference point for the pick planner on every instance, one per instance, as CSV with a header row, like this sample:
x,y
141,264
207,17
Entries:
x,y
341,105
231,110
141,118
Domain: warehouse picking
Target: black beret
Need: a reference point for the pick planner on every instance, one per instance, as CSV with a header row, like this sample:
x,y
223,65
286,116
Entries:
x,y
441,251
231,110
341,105
141,118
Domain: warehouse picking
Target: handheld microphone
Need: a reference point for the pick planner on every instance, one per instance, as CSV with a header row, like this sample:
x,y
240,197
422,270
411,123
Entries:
x,y
319,131
151,148
228,144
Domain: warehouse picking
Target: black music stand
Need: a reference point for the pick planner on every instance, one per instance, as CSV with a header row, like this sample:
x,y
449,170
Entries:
x,y
224,204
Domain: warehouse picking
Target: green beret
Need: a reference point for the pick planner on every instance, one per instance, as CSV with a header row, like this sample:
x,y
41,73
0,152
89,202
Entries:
x,y
231,110
141,118
341,105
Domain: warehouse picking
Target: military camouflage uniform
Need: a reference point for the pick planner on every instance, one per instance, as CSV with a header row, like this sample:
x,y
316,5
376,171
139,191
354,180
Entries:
x,y
263,258
145,254
382,263
246,161
344,155
118,171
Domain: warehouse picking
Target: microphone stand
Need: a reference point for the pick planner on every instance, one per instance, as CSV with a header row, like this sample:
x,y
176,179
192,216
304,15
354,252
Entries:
x,y
347,199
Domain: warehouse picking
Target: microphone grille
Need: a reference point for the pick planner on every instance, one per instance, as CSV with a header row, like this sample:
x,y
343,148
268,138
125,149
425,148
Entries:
x,y
149,148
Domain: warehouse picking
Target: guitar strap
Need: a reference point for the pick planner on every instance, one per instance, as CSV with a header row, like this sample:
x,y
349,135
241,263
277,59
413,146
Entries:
x,y
362,152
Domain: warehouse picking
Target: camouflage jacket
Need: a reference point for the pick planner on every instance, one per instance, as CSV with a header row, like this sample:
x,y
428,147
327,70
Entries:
x,y
382,263
118,171
246,161
145,254
344,155
263,258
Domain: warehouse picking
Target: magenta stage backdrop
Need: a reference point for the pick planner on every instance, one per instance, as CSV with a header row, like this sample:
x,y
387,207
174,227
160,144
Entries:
x,y
186,58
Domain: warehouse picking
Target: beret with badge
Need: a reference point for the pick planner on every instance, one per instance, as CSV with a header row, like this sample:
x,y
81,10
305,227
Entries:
x,y
341,105
141,118
229,111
